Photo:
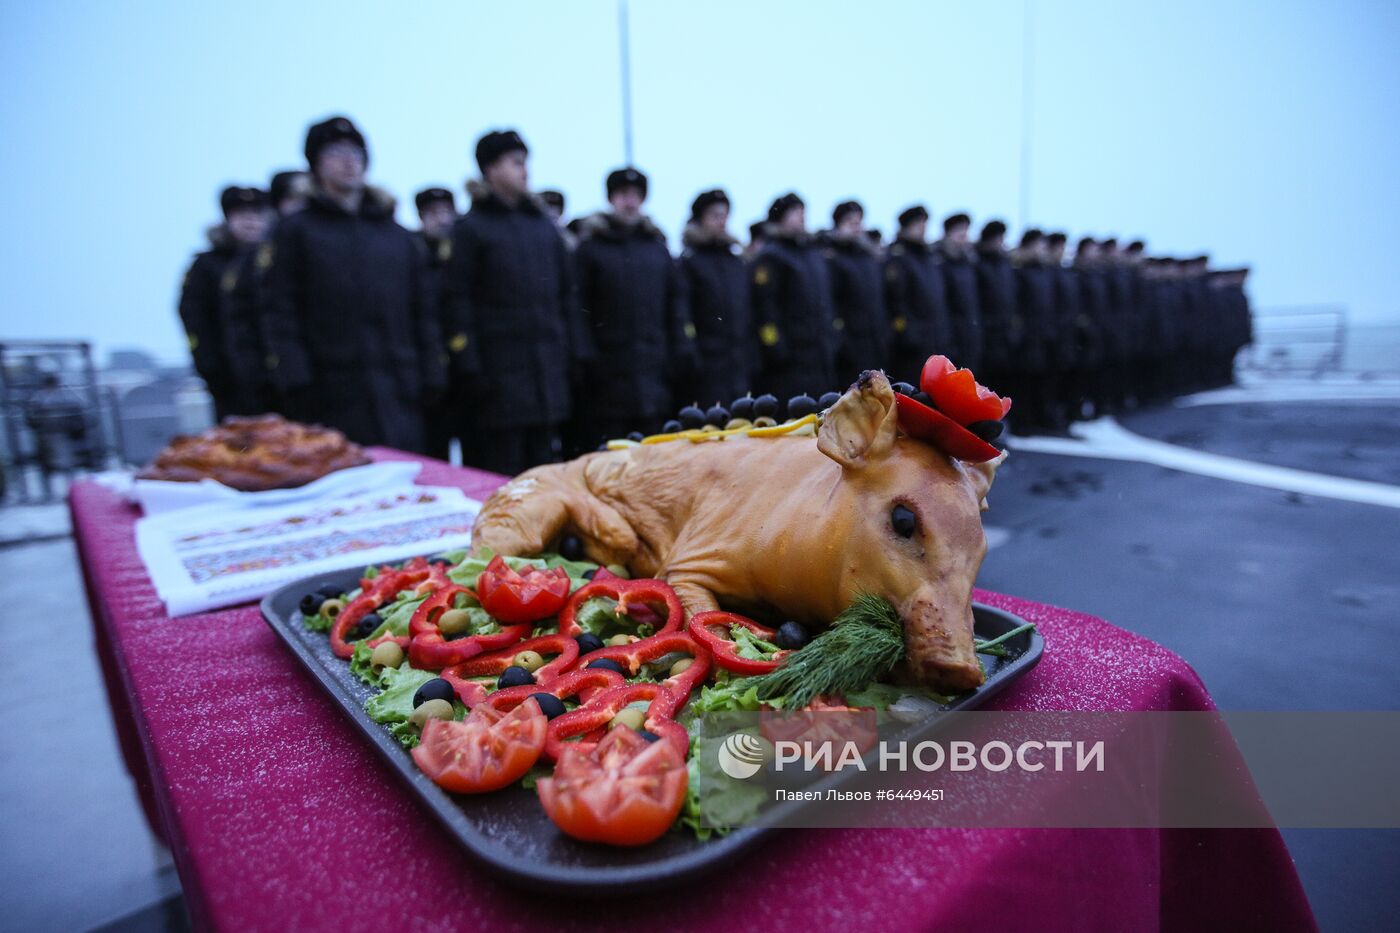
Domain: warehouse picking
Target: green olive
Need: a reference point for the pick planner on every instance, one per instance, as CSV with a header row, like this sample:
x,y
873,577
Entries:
x,y
454,621
764,422
331,608
735,423
386,654
631,717
530,660
619,640
681,665
431,709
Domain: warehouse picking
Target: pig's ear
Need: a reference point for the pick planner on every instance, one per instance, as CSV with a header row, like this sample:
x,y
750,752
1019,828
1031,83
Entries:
x,y
981,475
861,426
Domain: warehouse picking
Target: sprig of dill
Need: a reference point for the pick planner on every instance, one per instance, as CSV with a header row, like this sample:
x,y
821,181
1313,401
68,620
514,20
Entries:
x,y
862,645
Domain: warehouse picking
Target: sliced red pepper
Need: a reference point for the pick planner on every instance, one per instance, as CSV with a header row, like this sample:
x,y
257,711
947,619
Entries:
x,y
584,684
628,593
933,427
633,655
428,649
725,649
373,594
494,664
599,711
958,394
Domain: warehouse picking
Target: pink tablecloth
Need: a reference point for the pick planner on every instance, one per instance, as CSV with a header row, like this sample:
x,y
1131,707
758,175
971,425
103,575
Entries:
x,y
281,817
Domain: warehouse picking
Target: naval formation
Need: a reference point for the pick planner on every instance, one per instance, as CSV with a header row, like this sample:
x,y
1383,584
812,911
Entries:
x,y
528,338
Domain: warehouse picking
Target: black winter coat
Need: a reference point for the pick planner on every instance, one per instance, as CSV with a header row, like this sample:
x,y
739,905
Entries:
x,y
240,310
1002,325
1064,342
916,299
514,326
200,299
633,303
964,306
717,284
859,295
351,338
1035,303
1093,314
796,317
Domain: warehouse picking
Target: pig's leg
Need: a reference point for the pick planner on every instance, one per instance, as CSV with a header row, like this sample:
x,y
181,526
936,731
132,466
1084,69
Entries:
x,y
694,595
528,514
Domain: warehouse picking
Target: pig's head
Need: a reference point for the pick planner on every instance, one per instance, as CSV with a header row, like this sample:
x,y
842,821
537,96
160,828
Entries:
x,y
914,535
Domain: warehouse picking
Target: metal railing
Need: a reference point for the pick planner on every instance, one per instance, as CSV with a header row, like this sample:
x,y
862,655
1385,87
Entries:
x,y
1307,340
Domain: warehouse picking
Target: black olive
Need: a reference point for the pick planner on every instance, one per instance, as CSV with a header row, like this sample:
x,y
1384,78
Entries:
x,y
636,436
904,520
671,427
550,704
367,624
588,642
987,430
571,548
827,400
717,414
435,689
765,406
791,635
330,591
602,446
310,604
904,388
515,676
691,417
608,664
800,406
742,408
588,574
923,399
649,735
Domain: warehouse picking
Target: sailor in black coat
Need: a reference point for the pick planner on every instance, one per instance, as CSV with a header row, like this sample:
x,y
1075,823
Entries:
x,y
443,418
960,278
916,299
1032,376
717,284
857,290
1003,327
1062,350
793,306
223,342
634,306
352,341
514,330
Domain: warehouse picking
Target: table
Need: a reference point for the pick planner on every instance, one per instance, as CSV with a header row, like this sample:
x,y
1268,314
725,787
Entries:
x,y
280,816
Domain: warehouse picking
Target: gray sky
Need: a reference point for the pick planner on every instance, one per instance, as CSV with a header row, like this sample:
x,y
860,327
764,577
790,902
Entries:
x,y
1263,133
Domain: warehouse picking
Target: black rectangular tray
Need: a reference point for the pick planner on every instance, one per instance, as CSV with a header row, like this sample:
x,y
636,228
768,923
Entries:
x,y
508,830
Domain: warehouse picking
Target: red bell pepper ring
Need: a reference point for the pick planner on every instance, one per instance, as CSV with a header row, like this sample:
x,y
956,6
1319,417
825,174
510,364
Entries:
x,y
725,649
373,594
632,656
584,684
933,427
599,711
428,649
494,664
957,393
627,593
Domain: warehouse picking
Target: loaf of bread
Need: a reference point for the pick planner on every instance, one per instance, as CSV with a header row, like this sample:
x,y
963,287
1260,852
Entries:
x,y
256,454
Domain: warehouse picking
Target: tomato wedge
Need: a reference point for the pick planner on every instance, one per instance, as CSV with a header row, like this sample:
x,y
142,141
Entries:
x,y
514,598
486,751
624,791
919,421
958,394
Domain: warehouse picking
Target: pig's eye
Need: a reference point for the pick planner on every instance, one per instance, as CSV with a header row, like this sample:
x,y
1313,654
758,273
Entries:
x,y
904,520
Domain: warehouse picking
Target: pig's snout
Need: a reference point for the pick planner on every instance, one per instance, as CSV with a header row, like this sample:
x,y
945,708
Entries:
x,y
938,642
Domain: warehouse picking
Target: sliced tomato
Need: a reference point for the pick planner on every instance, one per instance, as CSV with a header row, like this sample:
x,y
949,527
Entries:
x,y
624,791
486,751
515,597
958,394
919,421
